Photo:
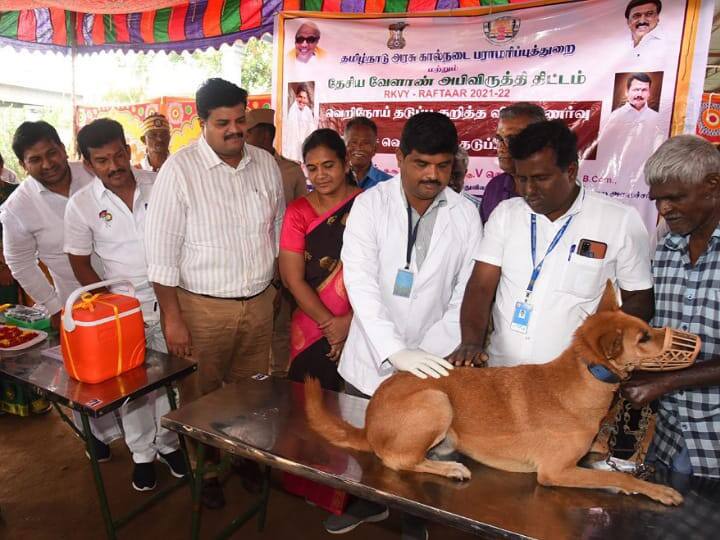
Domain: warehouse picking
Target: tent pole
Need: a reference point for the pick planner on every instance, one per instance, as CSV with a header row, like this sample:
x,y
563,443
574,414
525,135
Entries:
x,y
75,127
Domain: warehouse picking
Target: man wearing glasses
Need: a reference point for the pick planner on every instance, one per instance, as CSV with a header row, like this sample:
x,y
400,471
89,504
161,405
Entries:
x,y
306,44
513,119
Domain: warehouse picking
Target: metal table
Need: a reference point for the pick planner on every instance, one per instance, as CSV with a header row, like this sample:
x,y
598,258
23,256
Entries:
x,y
49,378
265,421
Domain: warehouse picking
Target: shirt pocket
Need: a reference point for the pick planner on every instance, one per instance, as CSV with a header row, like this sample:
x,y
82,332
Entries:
x,y
583,277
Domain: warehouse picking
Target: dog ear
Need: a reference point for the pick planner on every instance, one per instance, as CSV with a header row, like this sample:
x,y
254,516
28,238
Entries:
x,y
608,302
611,344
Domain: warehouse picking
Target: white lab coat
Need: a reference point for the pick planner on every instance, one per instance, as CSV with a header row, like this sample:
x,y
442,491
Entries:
x,y
374,248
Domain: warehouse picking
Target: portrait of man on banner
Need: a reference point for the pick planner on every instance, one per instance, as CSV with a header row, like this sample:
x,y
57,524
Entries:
x,y
306,49
633,130
300,120
647,43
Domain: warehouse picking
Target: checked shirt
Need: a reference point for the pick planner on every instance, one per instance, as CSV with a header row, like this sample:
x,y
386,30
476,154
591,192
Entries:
x,y
688,297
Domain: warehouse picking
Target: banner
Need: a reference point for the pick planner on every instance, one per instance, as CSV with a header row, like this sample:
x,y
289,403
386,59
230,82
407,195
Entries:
x,y
180,112
708,125
620,83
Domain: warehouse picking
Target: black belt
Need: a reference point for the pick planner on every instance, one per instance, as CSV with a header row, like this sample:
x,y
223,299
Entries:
x,y
235,298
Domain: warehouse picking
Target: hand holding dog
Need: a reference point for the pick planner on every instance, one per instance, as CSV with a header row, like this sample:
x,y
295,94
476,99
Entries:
x,y
643,388
468,354
420,363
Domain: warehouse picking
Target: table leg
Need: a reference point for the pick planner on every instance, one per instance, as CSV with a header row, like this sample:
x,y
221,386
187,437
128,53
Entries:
x,y
100,486
183,442
197,490
262,512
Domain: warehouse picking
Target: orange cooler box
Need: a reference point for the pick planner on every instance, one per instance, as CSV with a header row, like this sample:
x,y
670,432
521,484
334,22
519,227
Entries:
x,y
102,335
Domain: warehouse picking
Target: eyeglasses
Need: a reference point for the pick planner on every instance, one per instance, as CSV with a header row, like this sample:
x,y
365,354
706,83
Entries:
x,y
308,39
503,141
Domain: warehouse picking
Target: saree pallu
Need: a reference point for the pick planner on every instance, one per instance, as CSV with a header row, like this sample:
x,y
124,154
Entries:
x,y
308,346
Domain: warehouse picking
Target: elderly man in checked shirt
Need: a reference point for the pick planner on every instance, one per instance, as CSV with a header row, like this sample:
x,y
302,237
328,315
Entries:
x,y
684,179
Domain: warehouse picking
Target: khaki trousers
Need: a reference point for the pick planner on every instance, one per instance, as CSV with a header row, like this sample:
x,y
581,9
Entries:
x,y
280,356
230,339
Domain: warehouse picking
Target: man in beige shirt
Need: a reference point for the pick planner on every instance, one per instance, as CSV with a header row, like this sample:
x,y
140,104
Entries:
x,y
211,239
260,132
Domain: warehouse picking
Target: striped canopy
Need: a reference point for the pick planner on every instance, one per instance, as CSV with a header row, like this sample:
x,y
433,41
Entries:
x,y
185,26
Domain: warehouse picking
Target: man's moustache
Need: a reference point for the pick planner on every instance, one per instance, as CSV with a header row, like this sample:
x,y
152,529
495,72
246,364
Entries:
x,y
236,136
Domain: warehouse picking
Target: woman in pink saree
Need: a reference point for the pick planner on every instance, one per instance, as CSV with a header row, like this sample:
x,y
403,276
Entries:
x,y
310,266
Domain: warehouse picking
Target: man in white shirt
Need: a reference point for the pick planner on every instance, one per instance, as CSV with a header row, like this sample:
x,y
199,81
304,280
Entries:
x,y
211,239
32,220
647,42
107,217
546,256
156,138
407,255
629,137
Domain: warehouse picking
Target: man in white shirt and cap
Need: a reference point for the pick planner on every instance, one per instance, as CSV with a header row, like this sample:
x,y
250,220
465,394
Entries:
x,y
156,138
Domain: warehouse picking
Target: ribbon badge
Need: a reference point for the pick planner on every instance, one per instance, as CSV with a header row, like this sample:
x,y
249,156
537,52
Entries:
x,y
105,216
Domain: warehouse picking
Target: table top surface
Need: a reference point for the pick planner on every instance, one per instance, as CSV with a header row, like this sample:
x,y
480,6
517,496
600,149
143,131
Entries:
x,y
48,375
265,421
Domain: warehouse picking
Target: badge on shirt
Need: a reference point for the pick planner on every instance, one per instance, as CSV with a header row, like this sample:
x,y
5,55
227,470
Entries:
x,y
521,317
105,216
403,283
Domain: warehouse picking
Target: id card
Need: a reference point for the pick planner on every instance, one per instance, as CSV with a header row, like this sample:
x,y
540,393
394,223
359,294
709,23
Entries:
x,y
403,283
521,317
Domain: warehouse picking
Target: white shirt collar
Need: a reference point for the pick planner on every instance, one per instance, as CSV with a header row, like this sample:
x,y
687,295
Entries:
x,y
211,159
575,207
654,34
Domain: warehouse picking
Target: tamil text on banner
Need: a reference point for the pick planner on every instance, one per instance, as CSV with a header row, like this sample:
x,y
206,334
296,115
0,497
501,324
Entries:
x,y
613,80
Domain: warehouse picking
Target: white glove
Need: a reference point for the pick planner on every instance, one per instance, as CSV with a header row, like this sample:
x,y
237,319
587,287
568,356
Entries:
x,y
420,363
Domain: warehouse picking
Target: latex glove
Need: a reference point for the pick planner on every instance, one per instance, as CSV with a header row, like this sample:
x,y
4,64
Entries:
x,y
420,363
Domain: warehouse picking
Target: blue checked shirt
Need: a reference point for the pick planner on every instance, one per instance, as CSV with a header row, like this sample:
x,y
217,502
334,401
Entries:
x,y
688,297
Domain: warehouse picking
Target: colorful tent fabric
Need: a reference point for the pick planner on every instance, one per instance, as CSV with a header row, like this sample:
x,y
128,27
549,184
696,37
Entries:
x,y
92,6
186,26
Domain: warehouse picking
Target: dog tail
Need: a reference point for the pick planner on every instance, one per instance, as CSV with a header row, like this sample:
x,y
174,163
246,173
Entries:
x,y
330,427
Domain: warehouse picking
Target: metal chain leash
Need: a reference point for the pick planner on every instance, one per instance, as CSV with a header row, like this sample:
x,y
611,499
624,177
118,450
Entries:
x,y
622,418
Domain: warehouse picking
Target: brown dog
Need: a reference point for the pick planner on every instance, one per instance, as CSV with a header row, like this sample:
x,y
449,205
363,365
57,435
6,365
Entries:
x,y
529,418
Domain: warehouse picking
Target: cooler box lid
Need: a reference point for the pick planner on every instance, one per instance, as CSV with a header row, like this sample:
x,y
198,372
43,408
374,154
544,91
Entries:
x,y
102,306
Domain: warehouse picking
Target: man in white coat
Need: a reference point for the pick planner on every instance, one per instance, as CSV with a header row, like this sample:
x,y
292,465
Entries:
x,y
407,256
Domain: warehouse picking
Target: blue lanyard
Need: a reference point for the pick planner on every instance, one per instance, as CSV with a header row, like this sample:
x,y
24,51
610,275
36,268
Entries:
x,y
533,248
412,237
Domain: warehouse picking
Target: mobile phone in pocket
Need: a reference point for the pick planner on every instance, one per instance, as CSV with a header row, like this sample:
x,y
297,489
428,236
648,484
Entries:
x,y
592,249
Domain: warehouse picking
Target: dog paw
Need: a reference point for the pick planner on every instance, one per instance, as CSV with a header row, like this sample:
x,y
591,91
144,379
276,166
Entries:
x,y
665,495
458,471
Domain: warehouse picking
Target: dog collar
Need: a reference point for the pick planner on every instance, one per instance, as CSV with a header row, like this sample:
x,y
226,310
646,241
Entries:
x,y
603,374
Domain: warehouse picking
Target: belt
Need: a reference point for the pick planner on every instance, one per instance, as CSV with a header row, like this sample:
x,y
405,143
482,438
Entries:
x,y
235,298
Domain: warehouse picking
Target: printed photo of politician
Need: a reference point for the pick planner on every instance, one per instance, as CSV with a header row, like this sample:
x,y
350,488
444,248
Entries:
x,y
307,49
300,119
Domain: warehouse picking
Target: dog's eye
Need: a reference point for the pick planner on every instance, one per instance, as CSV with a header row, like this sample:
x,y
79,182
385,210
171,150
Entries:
x,y
645,337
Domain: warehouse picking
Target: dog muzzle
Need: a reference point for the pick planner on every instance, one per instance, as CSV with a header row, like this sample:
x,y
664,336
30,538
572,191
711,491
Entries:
x,y
680,349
